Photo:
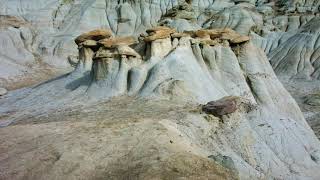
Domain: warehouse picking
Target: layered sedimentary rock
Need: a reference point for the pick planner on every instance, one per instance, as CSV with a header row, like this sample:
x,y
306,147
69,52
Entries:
x,y
289,36
264,137
241,17
47,28
300,60
43,32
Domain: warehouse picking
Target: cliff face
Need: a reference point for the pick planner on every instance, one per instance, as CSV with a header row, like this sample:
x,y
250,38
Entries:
x,y
131,105
39,34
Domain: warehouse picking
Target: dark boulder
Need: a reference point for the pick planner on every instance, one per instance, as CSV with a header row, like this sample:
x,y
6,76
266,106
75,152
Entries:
x,y
224,106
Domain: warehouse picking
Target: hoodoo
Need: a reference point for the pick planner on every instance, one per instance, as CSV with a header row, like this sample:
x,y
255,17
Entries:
x,y
120,67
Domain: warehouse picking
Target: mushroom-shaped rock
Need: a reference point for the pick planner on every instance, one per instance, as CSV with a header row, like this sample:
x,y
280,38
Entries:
x,y
160,32
89,44
203,33
228,34
213,33
118,41
223,34
3,91
224,106
94,35
240,39
128,51
105,53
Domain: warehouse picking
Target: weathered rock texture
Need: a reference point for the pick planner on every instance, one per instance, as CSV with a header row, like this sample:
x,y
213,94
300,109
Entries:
x,y
271,139
224,106
162,75
41,33
289,35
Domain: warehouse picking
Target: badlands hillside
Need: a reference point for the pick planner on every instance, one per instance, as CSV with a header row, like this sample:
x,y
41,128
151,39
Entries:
x,y
159,89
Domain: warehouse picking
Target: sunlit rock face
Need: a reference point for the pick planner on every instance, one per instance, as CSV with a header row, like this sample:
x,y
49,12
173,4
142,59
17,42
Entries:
x,y
263,135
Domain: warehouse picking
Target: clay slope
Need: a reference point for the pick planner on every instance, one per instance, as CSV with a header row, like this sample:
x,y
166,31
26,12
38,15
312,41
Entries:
x,y
290,36
131,104
298,56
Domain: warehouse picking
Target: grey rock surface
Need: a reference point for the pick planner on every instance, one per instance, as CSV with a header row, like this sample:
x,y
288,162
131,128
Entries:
x,y
125,110
290,36
189,73
49,27
313,99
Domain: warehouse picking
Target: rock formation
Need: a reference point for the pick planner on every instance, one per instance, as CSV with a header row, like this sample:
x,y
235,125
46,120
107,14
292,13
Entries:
x,y
94,35
48,28
183,69
289,36
135,76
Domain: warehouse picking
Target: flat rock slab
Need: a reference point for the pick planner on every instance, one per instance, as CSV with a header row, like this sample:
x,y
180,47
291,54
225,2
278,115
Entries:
x,y
94,35
224,106
224,34
160,32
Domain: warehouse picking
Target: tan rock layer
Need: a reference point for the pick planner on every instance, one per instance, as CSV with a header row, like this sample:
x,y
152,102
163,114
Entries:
x,y
223,34
12,21
105,46
118,41
160,32
94,35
